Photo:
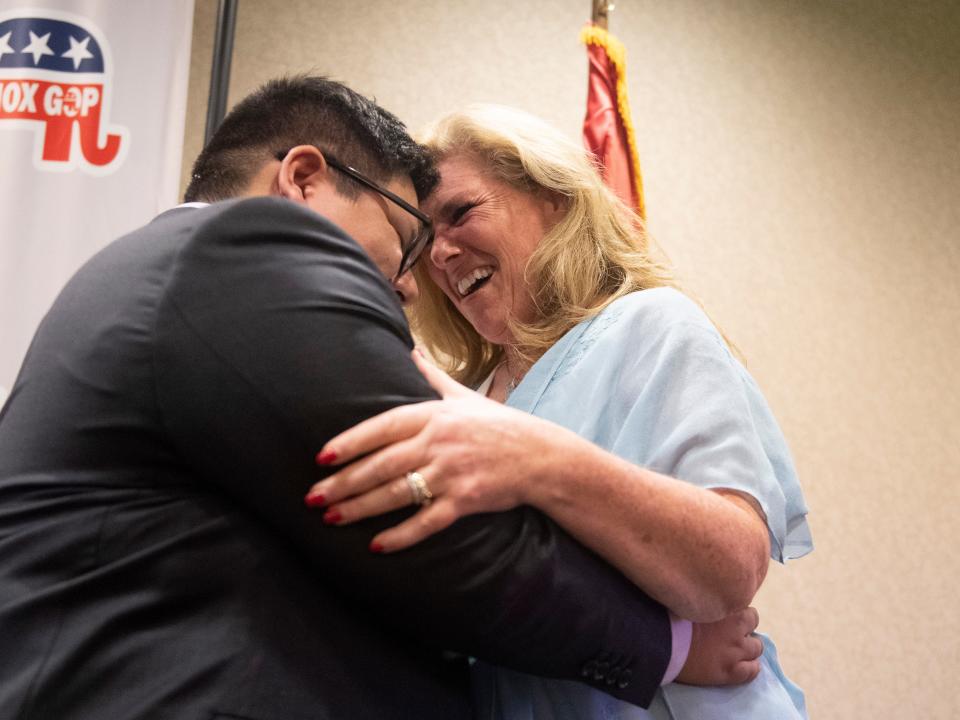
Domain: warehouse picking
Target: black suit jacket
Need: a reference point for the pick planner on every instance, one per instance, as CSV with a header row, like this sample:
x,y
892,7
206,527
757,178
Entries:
x,y
156,556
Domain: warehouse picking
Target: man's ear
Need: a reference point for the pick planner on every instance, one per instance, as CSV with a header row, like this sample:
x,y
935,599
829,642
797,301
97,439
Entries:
x,y
301,172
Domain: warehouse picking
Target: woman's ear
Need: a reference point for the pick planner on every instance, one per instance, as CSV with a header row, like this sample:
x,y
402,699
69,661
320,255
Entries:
x,y
555,206
302,169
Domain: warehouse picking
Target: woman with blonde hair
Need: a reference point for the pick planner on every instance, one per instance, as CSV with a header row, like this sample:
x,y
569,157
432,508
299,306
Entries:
x,y
645,437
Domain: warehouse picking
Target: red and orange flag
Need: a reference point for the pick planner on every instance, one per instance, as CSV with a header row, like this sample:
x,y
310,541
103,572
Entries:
x,y
608,127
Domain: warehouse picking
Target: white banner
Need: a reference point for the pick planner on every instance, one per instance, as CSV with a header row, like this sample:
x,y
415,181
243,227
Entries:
x,y
92,102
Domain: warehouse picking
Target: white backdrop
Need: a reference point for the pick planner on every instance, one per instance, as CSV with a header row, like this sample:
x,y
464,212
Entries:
x,y
92,103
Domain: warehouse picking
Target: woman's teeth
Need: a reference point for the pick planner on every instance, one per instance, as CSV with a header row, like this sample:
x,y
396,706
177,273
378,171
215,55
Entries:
x,y
471,281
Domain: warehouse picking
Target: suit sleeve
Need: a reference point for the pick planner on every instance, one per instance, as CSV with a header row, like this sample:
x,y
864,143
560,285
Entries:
x,y
276,332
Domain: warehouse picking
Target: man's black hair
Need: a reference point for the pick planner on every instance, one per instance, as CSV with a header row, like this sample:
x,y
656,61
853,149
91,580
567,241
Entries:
x,y
308,110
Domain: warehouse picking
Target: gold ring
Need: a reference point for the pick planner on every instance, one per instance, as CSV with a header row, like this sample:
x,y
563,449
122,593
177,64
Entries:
x,y
418,489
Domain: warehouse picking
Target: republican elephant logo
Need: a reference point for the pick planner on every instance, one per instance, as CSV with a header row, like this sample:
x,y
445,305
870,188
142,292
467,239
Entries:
x,y
55,79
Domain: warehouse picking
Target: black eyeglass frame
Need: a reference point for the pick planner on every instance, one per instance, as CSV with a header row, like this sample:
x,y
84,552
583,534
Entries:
x,y
411,253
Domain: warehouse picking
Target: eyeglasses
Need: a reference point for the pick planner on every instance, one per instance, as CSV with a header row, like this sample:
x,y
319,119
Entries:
x,y
413,251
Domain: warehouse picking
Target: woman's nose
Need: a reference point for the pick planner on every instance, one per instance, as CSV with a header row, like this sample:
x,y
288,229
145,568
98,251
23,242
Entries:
x,y
442,250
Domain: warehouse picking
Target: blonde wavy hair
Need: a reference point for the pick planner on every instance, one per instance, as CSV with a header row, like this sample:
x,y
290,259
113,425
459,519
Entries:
x,y
598,252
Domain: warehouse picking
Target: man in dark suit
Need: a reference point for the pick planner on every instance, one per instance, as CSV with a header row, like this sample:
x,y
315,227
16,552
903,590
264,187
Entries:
x,y
156,556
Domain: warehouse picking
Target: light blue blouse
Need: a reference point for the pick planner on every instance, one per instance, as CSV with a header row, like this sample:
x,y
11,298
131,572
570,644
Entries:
x,y
651,380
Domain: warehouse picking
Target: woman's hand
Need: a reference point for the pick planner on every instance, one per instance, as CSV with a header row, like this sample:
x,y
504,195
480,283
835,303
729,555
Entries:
x,y
474,455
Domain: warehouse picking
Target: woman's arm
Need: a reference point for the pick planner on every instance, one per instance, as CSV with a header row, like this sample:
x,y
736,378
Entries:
x,y
701,553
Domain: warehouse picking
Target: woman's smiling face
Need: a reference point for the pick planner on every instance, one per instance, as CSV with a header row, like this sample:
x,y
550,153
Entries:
x,y
485,233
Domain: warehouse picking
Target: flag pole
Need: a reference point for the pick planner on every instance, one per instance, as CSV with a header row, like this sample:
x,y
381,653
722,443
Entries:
x,y
599,12
220,71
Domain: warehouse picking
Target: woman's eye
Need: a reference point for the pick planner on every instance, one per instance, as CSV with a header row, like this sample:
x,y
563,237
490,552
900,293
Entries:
x,y
459,213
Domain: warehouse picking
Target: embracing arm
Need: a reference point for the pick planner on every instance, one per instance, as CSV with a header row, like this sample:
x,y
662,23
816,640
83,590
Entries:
x,y
701,553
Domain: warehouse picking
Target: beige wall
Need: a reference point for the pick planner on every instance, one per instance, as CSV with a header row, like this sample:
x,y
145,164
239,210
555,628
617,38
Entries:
x,y
802,165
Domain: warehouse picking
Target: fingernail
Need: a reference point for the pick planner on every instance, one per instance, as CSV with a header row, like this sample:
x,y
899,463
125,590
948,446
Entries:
x,y
325,457
376,547
332,517
315,501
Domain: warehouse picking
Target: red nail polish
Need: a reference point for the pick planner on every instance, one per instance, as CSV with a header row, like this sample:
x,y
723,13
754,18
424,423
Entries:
x,y
315,501
376,547
332,517
326,457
